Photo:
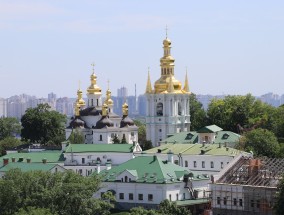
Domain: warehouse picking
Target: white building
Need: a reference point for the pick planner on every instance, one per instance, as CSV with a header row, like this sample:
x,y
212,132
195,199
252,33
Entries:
x,y
209,159
148,180
97,121
3,107
168,103
88,158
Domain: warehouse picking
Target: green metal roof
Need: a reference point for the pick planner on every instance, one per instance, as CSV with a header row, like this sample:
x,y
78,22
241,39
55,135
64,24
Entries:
x,y
192,202
192,137
194,149
210,129
81,148
27,167
36,157
149,169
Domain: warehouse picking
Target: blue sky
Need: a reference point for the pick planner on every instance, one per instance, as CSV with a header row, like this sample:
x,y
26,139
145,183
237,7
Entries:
x,y
229,47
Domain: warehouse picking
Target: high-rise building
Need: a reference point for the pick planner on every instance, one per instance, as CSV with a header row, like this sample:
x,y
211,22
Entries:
x,y
3,107
122,92
168,103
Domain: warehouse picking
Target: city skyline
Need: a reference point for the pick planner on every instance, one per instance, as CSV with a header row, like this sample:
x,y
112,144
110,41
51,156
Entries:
x,y
228,47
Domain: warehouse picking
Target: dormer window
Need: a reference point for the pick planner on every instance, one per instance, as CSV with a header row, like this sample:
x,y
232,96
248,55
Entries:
x,y
225,136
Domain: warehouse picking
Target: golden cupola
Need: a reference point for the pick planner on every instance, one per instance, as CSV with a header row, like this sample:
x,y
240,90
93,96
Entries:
x,y
125,109
94,88
79,102
167,63
108,101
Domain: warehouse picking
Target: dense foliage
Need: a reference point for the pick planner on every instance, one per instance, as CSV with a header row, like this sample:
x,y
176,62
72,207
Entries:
x,y
58,193
144,143
7,143
198,116
9,127
76,137
165,208
42,125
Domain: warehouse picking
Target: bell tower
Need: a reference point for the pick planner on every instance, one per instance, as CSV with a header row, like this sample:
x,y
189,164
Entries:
x,y
167,103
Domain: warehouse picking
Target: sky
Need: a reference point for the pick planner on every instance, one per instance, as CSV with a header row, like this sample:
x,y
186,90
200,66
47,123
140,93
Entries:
x,y
229,47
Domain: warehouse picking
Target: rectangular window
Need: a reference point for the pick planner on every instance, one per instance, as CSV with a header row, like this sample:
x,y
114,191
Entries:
x,y
176,162
186,164
121,195
235,201
203,164
252,203
212,164
218,201
140,196
150,197
194,164
222,165
83,160
257,203
225,201
130,196
240,202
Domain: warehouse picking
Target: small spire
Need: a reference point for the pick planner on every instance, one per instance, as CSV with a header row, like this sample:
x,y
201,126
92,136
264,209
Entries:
x,y
186,86
166,31
93,65
148,86
79,84
171,88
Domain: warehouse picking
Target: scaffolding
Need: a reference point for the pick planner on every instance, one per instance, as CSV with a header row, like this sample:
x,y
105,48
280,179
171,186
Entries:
x,y
248,187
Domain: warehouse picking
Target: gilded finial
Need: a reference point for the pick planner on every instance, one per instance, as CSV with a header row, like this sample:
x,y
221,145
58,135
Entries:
x,y
166,31
148,86
186,86
93,65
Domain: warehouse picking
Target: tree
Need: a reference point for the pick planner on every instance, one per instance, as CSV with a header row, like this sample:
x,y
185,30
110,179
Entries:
x,y
278,207
115,140
9,127
144,143
42,125
240,113
123,140
142,211
261,141
34,211
60,193
76,137
166,207
8,142
197,113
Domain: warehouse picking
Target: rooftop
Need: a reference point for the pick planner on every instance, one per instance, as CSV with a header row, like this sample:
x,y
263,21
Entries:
x,y
54,156
255,172
27,167
194,149
150,169
81,148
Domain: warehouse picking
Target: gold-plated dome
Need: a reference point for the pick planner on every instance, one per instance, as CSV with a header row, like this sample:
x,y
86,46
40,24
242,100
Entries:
x,y
94,88
125,109
79,102
108,101
104,110
167,83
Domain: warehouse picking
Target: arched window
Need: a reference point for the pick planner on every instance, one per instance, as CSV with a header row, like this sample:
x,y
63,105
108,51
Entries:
x,y
170,197
160,109
186,163
101,137
125,178
179,109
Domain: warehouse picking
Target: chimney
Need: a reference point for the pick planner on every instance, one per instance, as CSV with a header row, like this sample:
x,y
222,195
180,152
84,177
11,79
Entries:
x,y
5,161
154,158
13,160
98,163
28,160
108,165
44,160
170,157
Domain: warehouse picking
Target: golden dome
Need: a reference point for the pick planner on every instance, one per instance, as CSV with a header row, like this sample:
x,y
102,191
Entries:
x,y
162,84
125,109
104,110
108,101
94,88
167,42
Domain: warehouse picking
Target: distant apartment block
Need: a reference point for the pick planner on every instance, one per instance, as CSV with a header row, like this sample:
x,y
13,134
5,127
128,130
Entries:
x,y
3,107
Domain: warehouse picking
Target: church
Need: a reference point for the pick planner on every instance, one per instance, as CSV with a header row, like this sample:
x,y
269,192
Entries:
x,y
97,121
168,102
